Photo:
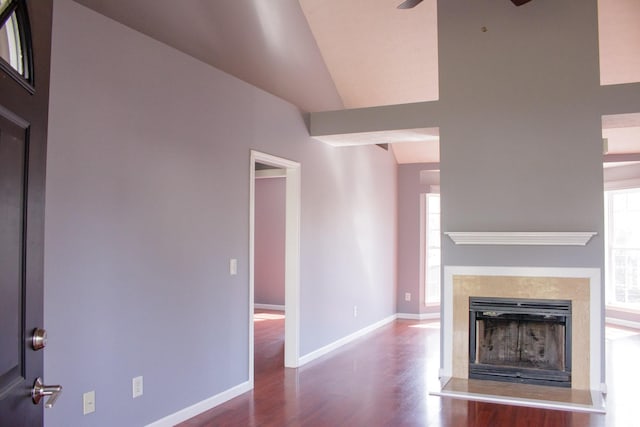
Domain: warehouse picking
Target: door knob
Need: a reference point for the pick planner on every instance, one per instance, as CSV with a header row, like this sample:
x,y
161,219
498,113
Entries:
x,y
40,390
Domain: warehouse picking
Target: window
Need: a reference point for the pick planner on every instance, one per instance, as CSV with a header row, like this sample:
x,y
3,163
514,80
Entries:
x,y
14,41
622,264
432,249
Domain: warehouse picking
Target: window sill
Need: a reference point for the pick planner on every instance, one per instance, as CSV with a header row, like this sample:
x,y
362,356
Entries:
x,y
623,309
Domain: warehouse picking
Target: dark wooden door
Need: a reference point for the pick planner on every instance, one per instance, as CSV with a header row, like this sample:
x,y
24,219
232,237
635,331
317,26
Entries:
x,y
25,46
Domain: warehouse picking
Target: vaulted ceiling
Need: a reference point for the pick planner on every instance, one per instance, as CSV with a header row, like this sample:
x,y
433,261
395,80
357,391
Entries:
x,y
334,54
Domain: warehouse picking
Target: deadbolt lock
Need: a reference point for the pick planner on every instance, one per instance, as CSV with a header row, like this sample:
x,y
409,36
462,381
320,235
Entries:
x,y
39,339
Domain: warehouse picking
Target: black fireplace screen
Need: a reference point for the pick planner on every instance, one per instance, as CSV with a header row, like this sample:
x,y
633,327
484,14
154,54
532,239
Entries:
x,y
520,340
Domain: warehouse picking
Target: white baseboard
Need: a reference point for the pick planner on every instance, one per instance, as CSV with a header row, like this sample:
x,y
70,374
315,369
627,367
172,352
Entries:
x,y
268,307
200,407
419,316
345,340
622,322
205,405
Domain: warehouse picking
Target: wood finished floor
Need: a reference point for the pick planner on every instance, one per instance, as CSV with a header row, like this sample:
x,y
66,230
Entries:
x,y
384,378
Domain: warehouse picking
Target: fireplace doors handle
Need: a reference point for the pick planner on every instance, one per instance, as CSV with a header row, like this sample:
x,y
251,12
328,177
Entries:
x,y
491,313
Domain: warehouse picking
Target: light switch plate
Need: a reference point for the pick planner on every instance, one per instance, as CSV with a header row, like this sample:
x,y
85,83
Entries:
x,y
233,266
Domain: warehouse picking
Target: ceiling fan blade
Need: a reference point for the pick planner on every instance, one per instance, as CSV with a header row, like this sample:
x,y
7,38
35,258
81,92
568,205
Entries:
x,y
520,2
408,4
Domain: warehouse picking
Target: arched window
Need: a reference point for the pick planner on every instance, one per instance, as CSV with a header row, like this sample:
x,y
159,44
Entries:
x,y
15,41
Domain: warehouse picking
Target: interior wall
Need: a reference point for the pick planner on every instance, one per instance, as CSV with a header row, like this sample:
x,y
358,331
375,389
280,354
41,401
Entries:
x,y
148,200
521,142
269,241
349,248
523,150
411,185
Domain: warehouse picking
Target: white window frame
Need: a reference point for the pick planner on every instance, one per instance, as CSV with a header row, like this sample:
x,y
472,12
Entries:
x,y
629,185
426,251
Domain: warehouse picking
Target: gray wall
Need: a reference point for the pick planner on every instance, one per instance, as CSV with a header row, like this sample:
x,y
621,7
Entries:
x,y
521,147
148,199
521,137
269,241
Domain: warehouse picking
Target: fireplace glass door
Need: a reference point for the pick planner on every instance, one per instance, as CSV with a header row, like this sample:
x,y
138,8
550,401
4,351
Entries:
x,y
520,340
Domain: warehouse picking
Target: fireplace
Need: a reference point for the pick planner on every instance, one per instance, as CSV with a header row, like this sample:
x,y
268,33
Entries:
x,y
520,340
581,286
570,298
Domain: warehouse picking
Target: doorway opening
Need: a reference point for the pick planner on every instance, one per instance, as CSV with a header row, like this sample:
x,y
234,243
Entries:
x,y
291,172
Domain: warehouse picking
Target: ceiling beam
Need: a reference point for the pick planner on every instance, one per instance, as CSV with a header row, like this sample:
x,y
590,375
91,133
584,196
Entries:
x,y
374,119
623,157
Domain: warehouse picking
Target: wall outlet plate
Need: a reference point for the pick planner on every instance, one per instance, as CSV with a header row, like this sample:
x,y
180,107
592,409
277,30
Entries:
x,y
136,384
89,402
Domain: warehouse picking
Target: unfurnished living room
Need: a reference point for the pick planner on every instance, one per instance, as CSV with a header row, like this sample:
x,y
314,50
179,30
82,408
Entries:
x,y
319,212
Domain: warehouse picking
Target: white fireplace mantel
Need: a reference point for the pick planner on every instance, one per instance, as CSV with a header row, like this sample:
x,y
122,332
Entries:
x,y
561,238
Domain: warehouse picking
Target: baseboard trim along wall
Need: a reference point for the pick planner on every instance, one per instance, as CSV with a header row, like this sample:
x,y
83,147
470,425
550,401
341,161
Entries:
x,y
268,307
345,340
229,394
202,406
419,316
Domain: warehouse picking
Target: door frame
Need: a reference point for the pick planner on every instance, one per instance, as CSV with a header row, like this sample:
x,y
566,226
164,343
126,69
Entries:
x,y
292,256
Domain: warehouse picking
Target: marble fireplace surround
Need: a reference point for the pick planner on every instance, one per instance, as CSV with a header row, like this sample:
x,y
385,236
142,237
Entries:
x,y
580,285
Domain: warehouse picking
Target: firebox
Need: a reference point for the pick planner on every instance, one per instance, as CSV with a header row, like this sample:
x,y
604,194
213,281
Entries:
x,y
520,340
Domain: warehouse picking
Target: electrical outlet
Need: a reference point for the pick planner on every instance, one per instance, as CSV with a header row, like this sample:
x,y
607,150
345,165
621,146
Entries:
x,y
355,311
407,296
89,402
136,384
233,266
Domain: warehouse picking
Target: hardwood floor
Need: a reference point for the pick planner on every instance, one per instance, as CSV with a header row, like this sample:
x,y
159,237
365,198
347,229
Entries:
x,y
384,378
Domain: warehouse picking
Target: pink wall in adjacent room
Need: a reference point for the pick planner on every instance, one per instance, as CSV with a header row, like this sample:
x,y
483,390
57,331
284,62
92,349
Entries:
x,y
269,241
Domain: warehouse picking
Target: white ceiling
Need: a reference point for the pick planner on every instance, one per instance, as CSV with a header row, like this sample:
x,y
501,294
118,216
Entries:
x,y
332,54
377,54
